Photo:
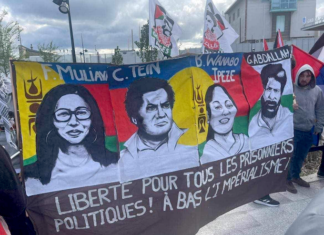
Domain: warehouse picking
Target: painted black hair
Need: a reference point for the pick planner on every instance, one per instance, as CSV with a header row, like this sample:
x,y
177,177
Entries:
x,y
134,97
208,99
272,71
48,141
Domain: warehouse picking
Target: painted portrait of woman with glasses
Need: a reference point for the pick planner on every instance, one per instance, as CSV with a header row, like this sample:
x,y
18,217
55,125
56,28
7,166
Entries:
x,y
70,143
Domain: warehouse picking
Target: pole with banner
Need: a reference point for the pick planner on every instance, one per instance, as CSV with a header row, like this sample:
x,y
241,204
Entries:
x,y
164,32
218,33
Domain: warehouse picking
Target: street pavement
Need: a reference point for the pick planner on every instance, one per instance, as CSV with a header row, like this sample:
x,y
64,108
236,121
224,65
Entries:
x,y
253,219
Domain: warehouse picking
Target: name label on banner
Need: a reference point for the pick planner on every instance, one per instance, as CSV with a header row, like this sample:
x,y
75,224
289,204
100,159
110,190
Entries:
x,y
80,75
265,57
138,71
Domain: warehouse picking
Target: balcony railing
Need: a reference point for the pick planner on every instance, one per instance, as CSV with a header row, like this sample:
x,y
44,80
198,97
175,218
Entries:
x,y
283,5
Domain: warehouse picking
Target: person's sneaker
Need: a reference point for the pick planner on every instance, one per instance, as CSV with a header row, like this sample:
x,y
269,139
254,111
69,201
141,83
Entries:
x,y
320,174
267,201
301,182
290,187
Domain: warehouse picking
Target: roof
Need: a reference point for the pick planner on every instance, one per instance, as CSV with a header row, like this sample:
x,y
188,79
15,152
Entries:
x,y
28,49
314,27
232,6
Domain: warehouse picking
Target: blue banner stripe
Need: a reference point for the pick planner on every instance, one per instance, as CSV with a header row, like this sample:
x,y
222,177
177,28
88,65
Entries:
x,y
123,76
79,73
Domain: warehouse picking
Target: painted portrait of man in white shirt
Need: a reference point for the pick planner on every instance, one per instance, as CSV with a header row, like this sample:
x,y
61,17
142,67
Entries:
x,y
154,148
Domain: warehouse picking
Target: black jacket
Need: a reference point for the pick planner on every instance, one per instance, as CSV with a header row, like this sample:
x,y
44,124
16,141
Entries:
x,y
12,195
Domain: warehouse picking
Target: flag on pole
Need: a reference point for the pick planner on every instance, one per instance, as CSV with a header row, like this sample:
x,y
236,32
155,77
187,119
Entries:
x,y
318,49
164,32
265,45
278,41
218,33
303,58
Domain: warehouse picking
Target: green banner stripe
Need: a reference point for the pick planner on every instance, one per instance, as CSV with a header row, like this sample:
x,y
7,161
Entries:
x,y
201,148
286,101
121,146
30,160
111,143
241,125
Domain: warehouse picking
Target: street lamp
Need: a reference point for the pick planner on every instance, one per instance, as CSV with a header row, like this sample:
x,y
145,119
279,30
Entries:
x,y
83,54
64,7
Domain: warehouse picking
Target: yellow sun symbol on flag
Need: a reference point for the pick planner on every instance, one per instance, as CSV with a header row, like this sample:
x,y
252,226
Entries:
x,y
189,111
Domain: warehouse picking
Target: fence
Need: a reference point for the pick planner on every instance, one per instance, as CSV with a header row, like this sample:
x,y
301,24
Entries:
x,y
303,43
130,57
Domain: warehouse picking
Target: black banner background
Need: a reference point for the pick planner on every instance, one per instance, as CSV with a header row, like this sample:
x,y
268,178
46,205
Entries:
x,y
200,207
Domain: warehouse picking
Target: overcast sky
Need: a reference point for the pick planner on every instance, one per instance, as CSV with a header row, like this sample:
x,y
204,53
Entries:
x,y
105,23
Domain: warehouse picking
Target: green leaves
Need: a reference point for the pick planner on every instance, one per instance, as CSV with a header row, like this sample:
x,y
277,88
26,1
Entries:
x,y
117,58
146,52
48,52
9,33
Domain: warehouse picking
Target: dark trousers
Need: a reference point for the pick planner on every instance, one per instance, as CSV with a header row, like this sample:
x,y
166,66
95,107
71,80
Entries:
x,y
303,141
321,168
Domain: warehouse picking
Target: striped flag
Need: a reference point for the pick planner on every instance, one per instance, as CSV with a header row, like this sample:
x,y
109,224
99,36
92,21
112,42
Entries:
x,y
218,33
278,42
265,45
318,49
303,58
164,32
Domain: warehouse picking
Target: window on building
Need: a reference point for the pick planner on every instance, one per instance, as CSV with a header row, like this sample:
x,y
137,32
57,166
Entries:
x,y
280,24
283,4
276,4
233,16
229,19
238,12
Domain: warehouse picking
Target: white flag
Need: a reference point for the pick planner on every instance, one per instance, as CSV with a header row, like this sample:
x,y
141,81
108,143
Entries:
x,y
218,33
163,31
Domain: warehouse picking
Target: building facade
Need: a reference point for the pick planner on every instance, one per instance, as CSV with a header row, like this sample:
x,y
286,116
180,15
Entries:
x,y
257,19
25,52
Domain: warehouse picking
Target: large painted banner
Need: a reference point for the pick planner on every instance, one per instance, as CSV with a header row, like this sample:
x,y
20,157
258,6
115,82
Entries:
x,y
157,148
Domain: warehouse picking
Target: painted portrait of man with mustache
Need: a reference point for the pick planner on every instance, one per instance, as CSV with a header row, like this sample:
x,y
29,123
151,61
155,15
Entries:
x,y
272,118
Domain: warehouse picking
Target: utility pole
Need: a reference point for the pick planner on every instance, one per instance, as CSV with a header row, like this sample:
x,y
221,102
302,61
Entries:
x,y
71,33
83,50
98,58
19,36
132,42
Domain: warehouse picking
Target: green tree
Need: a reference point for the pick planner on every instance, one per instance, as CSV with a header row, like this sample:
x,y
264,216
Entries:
x,y
48,52
117,57
8,34
146,52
